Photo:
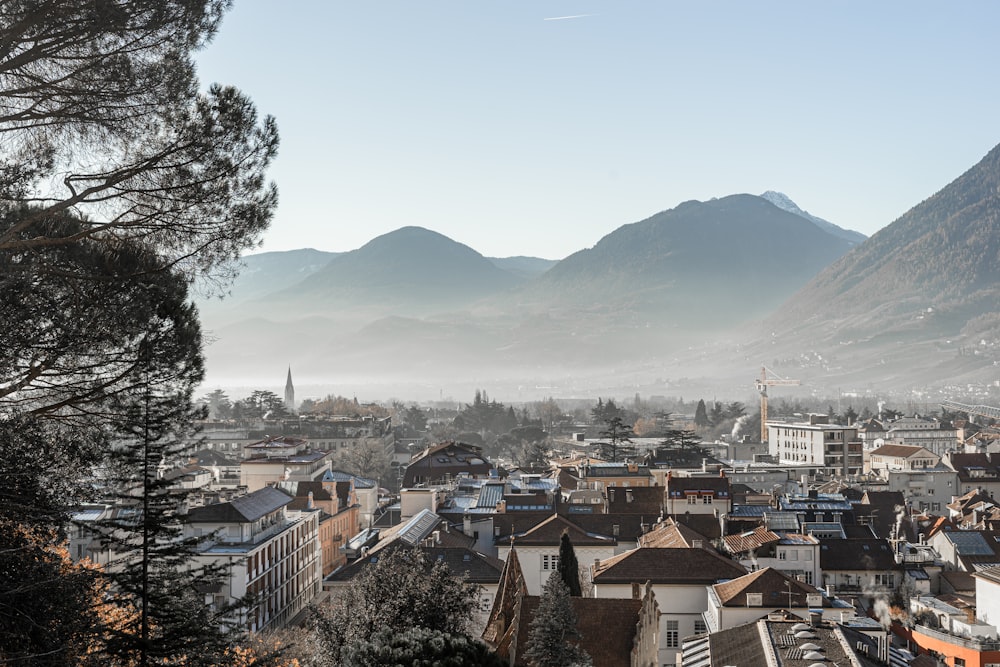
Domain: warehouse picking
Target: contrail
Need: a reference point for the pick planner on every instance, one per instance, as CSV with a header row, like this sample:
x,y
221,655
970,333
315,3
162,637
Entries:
x,y
563,18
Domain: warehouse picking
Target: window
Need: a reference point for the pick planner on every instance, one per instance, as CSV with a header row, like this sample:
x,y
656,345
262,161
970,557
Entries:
x,y
692,500
672,637
700,627
782,555
550,561
706,500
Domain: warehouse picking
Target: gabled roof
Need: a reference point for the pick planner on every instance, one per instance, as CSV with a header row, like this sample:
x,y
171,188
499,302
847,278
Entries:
x,y
669,533
245,509
750,540
549,533
856,554
776,588
646,500
902,451
666,566
447,458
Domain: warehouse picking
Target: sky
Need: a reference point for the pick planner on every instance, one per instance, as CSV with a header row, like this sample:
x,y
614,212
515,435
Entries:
x,y
535,127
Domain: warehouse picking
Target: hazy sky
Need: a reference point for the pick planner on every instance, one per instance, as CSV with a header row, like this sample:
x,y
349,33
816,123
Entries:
x,y
530,127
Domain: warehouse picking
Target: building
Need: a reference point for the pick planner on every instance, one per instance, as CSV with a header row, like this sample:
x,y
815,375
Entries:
x,y
281,459
698,495
764,592
538,550
679,578
835,447
615,632
444,462
931,434
888,458
272,555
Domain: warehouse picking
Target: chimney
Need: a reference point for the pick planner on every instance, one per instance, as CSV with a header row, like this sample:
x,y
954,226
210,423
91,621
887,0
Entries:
x,y
309,502
437,536
467,524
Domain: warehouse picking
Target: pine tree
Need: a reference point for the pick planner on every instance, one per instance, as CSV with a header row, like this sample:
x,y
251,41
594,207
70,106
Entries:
x,y
553,638
569,568
619,435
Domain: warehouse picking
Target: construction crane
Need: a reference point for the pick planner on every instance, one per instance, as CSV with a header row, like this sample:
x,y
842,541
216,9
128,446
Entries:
x,y
768,378
981,410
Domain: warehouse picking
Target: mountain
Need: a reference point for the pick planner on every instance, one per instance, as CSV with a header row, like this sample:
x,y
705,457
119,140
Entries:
x,y
919,300
415,305
411,271
784,202
526,267
262,274
699,265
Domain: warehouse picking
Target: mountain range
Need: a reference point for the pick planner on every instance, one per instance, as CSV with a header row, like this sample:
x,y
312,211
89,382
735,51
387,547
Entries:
x,y
706,290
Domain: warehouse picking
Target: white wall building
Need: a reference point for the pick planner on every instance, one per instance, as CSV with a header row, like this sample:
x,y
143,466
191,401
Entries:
x,y
835,447
272,554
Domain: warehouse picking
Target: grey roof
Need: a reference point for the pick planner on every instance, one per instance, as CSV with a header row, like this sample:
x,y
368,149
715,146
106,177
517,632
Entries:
x,y
781,521
341,476
749,511
419,527
490,495
969,543
245,509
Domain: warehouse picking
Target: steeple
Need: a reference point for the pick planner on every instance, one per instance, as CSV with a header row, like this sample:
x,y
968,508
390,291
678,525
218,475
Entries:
x,y
289,392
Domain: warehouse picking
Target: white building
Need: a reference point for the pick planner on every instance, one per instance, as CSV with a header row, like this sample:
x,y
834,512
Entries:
x,y
835,447
271,554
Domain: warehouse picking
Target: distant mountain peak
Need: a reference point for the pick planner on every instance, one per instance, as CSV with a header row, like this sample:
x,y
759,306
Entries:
x,y
785,203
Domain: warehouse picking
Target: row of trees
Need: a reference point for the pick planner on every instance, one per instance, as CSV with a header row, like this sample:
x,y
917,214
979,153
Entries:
x,y
121,182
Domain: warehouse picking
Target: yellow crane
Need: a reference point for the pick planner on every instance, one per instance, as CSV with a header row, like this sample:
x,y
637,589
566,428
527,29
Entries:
x,y
768,378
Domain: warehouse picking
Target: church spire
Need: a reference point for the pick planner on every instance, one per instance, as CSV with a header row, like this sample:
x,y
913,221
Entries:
x,y
289,392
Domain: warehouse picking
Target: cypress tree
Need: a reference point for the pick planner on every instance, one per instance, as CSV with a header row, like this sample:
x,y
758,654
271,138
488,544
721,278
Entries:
x,y
569,569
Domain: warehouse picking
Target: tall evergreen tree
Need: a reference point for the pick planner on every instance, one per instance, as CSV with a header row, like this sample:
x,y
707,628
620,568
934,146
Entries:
x,y
701,414
569,568
553,638
619,440
153,571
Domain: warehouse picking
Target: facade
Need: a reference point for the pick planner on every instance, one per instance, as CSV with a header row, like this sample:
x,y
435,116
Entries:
x,y
888,458
272,555
600,475
538,550
698,495
928,489
835,447
931,434
679,578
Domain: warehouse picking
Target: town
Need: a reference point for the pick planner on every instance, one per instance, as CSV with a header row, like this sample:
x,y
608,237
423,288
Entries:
x,y
874,542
